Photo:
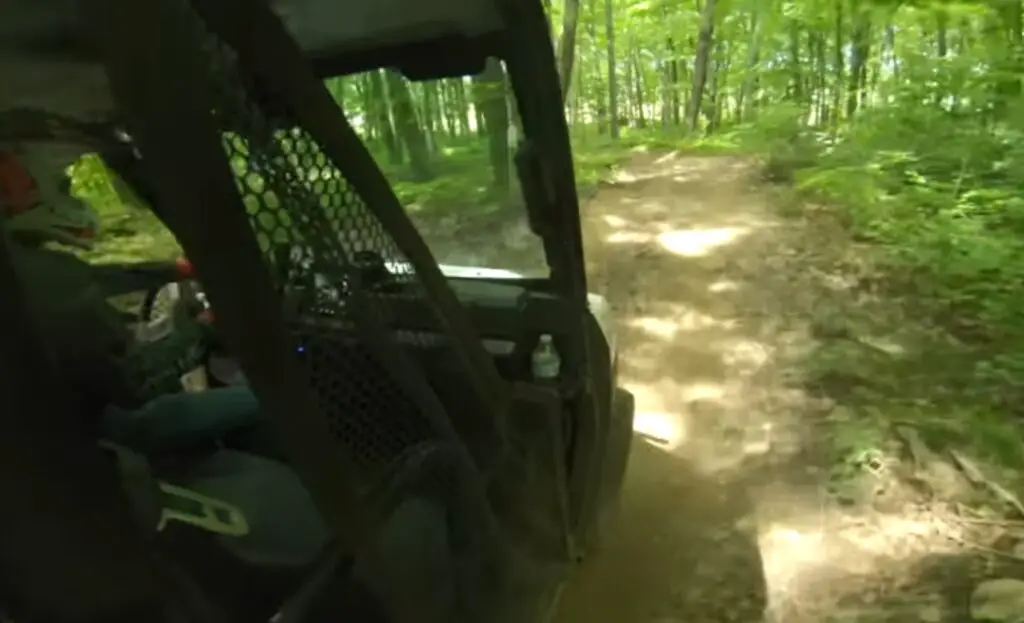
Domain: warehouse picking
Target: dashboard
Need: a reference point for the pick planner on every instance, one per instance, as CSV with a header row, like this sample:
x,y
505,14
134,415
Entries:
x,y
508,316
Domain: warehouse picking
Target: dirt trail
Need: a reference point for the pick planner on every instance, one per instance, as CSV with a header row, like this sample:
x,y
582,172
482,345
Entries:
x,y
724,515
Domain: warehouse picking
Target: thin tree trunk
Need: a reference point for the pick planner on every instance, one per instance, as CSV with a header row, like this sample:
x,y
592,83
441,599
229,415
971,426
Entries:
x,y
613,95
700,63
567,45
753,57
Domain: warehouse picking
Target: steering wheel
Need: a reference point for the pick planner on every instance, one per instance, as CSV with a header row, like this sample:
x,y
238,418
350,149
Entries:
x,y
165,306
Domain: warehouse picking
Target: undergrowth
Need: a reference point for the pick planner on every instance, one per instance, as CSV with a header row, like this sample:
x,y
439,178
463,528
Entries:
x,y
935,198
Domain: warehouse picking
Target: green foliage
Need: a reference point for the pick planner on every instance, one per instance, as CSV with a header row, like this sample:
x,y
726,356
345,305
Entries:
x,y
782,135
946,206
938,189
130,232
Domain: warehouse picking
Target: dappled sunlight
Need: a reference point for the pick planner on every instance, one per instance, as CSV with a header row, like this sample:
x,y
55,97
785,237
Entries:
x,y
699,242
659,327
885,344
681,319
745,356
629,237
677,417
612,220
815,558
666,431
627,177
668,157
723,286
685,170
787,551
686,178
696,242
653,209
702,391
655,419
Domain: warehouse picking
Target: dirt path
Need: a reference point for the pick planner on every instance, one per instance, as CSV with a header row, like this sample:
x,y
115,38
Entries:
x,y
725,516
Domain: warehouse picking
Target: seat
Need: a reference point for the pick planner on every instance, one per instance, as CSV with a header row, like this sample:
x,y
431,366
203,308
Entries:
x,y
221,519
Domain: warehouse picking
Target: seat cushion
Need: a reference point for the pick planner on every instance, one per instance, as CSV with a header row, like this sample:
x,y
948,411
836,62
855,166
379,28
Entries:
x,y
285,527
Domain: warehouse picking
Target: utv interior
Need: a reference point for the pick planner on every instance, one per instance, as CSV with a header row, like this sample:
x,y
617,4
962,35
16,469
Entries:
x,y
402,392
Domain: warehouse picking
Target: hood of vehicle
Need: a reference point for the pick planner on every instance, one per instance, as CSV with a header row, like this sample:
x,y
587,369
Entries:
x,y
598,304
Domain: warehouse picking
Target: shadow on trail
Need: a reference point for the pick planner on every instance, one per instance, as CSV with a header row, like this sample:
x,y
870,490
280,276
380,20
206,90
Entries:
x,y
725,516
660,242
677,532
725,513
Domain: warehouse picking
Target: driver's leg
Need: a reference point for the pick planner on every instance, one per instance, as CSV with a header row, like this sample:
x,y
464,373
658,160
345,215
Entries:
x,y
183,420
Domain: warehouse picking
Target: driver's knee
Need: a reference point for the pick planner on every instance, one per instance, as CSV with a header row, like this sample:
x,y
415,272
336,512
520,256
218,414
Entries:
x,y
183,420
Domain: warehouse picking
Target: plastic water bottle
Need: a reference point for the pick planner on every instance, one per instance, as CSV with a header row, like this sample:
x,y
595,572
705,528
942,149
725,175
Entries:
x,y
546,363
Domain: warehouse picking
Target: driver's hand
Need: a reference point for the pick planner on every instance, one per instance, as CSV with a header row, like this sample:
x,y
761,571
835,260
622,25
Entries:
x,y
188,314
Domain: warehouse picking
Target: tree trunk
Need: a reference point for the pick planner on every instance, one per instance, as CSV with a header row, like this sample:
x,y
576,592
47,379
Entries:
x,y
408,127
595,80
672,83
856,79
700,63
796,67
641,91
753,57
489,96
567,45
839,60
381,117
462,103
613,95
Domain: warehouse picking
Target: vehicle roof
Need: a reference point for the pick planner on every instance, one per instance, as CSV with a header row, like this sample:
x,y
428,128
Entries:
x,y
339,36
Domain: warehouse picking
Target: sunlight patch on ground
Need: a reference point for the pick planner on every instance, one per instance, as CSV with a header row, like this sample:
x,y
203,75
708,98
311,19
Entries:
x,y
811,568
745,356
628,237
656,420
661,430
702,391
682,319
684,179
672,155
659,327
885,345
700,242
612,220
625,177
725,285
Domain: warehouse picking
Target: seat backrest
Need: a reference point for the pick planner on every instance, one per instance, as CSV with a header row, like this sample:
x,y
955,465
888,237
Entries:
x,y
71,546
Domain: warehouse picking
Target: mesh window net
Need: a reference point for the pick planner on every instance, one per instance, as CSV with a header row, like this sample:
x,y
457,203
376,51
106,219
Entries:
x,y
341,275
348,288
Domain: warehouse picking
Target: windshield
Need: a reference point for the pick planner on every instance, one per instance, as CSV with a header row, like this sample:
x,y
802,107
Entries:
x,y
447,148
